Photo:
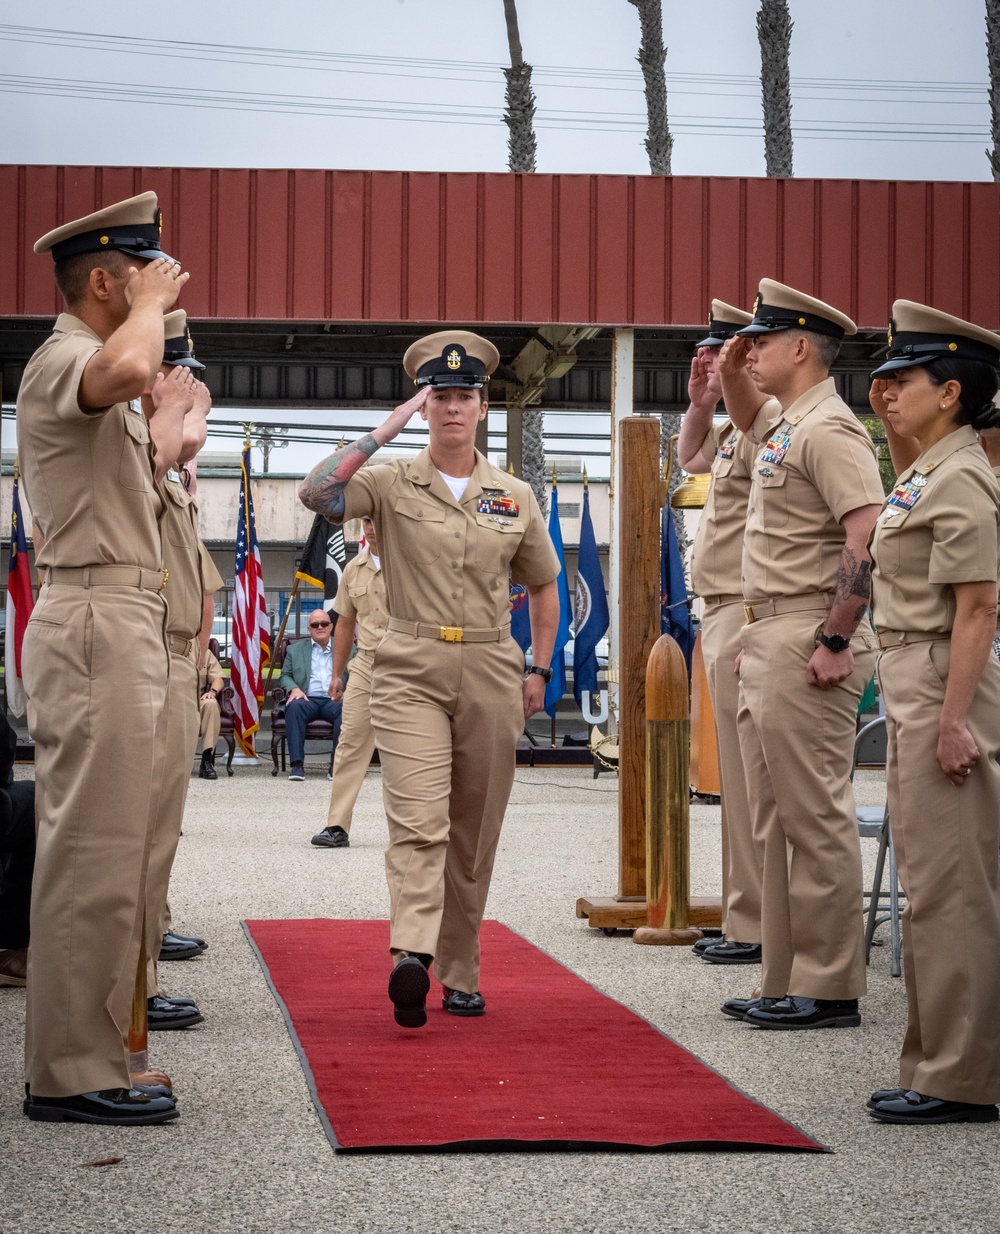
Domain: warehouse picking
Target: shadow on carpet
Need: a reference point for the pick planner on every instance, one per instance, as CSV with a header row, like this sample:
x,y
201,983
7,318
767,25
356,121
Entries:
x,y
572,1070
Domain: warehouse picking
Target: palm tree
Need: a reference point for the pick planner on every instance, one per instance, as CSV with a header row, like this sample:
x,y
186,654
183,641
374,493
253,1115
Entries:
x,y
993,54
652,54
519,118
774,33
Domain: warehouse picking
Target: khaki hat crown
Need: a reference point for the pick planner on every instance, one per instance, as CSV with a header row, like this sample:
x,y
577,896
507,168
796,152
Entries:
x,y
779,307
451,358
178,348
723,322
919,334
132,226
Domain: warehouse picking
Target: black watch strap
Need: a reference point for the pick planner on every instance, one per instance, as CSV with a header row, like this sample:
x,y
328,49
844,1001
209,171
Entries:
x,y
544,673
835,642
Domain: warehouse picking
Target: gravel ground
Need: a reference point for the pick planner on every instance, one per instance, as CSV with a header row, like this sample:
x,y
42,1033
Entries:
x,y
248,1153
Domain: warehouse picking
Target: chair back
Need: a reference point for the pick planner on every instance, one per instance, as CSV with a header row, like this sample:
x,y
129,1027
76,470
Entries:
x,y
870,745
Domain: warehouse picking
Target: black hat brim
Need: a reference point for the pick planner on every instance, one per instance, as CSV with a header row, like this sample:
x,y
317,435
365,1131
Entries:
x,y
184,362
711,341
899,362
754,329
143,254
456,381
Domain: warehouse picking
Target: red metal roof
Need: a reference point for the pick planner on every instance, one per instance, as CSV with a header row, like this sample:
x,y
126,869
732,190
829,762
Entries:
x,y
354,246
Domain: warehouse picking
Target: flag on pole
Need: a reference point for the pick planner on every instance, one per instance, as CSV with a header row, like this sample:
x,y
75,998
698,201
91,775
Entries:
x,y
556,688
20,602
251,648
675,610
323,560
592,615
520,622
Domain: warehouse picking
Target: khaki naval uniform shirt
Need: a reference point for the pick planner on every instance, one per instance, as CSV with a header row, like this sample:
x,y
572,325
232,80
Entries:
x,y
447,714
361,599
95,672
816,465
941,527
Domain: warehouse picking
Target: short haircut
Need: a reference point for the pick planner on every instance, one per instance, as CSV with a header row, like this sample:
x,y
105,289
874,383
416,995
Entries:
x,y
73,273
827,349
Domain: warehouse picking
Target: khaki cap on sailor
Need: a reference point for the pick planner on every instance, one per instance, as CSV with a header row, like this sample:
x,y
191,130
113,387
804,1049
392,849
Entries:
x,y
778,307
723,322
132,226
919,334
451,358
178,349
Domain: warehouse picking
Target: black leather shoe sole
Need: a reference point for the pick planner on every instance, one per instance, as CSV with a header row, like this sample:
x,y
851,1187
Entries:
x,y
848,1019
455,1006
108,1114
728,954
408,986
938,1112
180,953
158,1022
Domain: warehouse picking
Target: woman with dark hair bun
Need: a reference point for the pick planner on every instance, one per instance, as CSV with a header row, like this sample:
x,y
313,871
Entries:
x,y
935,550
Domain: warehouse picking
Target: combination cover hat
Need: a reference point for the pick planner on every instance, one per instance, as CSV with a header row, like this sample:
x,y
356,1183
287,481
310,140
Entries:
x,y
178,350
132,226
451,358
723,322
778,307
919,334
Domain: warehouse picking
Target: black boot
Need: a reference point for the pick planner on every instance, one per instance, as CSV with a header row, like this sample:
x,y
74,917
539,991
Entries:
x,y
207,769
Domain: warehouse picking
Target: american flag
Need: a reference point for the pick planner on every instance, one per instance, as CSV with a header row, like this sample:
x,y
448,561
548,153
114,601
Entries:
x,y
20,602
251,632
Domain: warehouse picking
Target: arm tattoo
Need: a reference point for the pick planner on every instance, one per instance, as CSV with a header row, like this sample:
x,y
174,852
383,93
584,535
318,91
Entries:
x,y
854,582
323,488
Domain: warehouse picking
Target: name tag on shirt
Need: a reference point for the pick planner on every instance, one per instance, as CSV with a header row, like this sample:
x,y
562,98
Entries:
x,y
904,496
776,446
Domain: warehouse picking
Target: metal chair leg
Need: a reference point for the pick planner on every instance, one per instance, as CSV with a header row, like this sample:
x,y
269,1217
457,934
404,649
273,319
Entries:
x,y
896,933
875,898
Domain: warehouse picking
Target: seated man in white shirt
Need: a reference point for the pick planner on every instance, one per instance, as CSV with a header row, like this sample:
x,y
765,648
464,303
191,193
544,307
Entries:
x,y
306,675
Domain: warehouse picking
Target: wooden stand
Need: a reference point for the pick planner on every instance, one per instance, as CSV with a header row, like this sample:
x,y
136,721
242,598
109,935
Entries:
x,y
704,748
139,1069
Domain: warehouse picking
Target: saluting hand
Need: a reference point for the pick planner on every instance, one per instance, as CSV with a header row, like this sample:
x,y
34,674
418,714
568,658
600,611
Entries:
x,y
174,392
876,397
401,416
704,387
733,356
158,283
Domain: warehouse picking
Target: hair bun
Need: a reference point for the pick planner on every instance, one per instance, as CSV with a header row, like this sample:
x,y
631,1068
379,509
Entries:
x,y
987,415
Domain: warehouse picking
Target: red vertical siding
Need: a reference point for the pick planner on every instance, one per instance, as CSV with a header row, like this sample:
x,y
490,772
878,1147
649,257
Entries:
x,y
604,250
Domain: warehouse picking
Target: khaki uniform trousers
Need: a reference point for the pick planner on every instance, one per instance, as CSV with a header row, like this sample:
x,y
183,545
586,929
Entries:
x,y
447,717
209,722
741,862
181,740
798,750
357,741
95,670
946,841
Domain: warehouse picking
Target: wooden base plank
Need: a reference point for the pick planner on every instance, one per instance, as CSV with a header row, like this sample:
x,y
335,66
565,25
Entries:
x,y
609,913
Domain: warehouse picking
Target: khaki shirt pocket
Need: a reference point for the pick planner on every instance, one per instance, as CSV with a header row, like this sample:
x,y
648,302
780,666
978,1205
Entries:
x,y
496,542
722,491
179,524
887,540
420,529
134,469
773,495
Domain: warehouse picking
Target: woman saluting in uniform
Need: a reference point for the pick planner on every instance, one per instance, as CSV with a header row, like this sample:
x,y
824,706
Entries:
x,y
934,596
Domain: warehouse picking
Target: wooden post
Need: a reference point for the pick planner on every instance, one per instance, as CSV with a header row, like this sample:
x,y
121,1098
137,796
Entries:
x,y
704,749
668,839
515,450
140,1071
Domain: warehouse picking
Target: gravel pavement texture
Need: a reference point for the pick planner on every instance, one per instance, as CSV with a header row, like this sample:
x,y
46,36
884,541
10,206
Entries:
x,y
248,1153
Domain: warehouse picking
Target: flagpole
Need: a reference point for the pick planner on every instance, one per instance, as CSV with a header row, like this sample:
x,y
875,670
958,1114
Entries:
x,y
552,725
281,635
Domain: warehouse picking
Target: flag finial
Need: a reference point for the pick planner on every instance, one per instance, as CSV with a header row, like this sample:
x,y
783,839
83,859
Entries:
x,y
585,482
510,469
247,429
17,469
554,483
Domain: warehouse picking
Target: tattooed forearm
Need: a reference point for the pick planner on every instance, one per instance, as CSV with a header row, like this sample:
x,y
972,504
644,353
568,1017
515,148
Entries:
x,y
323,488
854,582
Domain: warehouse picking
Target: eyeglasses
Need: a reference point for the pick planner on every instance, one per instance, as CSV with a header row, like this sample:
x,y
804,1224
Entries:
x,y
320,625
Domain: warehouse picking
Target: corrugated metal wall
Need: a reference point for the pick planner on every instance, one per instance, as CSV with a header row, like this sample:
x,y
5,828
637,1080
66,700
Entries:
x,y
353,246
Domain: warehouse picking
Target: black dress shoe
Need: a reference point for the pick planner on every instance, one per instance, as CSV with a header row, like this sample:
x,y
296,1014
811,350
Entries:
x,y
738,1007
408,986
793,1012
179,1000
207,769
180,947
726,951
913,1107
457,1002
332,837
115,1107
710,941
884,1094
163,1015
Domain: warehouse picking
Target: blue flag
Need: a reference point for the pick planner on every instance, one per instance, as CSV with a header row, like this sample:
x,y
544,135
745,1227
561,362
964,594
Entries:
x,y
520,624
592,617
557,686
675,611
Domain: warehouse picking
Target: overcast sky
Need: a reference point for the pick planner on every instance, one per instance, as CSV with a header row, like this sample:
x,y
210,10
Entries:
x,y
881,88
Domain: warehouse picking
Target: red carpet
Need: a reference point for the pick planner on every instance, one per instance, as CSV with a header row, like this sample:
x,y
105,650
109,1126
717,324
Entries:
x,y
552,1064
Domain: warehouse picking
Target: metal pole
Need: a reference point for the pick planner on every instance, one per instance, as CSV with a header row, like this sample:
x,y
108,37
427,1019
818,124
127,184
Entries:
x,y
622,389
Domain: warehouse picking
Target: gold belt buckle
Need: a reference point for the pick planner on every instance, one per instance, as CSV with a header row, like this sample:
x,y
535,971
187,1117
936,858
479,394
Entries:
x,y
452,634
748,609
166,575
